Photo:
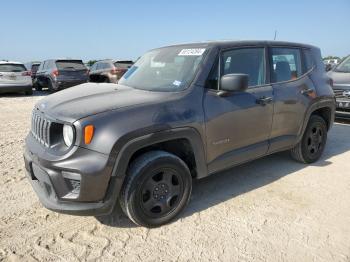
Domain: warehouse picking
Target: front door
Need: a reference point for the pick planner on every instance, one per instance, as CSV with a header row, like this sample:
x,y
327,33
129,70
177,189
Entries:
x,y
238,126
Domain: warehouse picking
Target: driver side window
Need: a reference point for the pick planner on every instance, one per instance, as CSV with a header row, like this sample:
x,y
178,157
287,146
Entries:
x,y
250,61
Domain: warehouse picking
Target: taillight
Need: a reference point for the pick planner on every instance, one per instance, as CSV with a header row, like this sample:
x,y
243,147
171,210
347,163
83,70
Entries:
x,y
27,73
55,73
116,71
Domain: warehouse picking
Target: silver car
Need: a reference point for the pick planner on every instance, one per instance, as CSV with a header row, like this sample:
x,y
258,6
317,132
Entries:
x,y
15,78
341,86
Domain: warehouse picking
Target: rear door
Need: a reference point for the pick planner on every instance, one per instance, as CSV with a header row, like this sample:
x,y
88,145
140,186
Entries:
x,y
13,74
71,70
293,92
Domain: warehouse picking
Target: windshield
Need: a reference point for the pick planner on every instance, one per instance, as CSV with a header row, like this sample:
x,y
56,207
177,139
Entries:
x,y
166,69
344,66
12,68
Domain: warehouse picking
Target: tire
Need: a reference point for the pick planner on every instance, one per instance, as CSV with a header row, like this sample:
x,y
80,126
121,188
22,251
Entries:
x,y
29,92
38,87
157,187
313,142
51,87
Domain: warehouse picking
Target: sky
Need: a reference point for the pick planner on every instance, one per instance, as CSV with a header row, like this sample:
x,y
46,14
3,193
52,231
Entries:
x,y
92,30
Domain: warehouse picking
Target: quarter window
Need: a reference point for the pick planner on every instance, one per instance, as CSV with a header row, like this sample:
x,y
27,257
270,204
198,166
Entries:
x,y
286,64
250,61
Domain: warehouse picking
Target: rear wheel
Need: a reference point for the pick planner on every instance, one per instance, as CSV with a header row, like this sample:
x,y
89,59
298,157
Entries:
x,y
157,188
311,146
29,92
37,86
51,86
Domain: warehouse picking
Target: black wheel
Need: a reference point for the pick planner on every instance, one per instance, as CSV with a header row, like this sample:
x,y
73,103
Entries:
x,y
157,187
29,92
311,146
37,86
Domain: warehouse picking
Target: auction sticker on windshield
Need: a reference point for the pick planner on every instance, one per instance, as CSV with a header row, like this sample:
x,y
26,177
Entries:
x,y
192,52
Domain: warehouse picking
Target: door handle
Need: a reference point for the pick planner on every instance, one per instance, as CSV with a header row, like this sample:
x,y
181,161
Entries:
x,y
264,100
306,91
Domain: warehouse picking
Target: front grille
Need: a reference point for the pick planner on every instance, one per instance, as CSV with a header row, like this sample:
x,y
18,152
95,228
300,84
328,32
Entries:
x,y
339,93
41,129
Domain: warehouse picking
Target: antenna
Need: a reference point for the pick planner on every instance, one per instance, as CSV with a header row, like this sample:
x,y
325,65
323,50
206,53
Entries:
x,y
275,35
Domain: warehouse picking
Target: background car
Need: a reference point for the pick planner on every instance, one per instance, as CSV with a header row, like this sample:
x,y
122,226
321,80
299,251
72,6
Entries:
x,y
14,78
57,74
109,71
341,86
32,67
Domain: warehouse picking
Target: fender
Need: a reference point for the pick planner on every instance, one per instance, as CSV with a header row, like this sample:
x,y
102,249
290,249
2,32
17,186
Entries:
x,y
131,146
325,102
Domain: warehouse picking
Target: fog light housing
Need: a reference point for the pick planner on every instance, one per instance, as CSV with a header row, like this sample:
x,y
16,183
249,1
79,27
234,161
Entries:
x,y
73,185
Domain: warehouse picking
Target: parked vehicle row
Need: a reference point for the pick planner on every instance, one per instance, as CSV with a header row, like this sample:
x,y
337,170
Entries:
x,y
108,71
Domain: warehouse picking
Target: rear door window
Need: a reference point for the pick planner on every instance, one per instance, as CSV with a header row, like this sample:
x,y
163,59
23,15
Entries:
x,y
12,68
286,64
70,65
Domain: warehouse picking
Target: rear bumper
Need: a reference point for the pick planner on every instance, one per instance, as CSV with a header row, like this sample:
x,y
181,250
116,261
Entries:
x,y
62,84
13,88
80,184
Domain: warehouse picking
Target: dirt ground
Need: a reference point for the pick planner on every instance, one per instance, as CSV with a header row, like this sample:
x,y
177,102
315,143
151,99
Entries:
x,y
272,209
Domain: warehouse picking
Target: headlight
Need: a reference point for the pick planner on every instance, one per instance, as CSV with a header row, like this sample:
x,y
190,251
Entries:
x,y
68,135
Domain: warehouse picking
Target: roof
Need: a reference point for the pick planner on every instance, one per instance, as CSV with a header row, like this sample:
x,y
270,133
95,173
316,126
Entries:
x,y
229,43
10,62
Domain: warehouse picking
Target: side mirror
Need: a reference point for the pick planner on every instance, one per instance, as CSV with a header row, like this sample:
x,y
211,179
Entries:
x,y
234,82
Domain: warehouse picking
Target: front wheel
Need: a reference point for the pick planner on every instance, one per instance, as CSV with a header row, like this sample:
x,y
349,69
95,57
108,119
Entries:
x,y
157,188
311,146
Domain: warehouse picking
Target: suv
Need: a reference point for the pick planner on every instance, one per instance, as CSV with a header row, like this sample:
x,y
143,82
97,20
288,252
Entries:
x,y
60,73
108,71
15,78
341,85
181,112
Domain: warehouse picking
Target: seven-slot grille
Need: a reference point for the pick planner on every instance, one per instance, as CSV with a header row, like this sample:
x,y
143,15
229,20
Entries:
x,y
41,129
339,93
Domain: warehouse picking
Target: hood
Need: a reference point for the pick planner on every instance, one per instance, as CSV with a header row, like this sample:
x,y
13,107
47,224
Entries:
x,y
93,98
340,80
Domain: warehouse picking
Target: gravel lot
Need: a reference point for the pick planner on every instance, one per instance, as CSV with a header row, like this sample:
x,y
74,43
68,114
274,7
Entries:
x,y
272,209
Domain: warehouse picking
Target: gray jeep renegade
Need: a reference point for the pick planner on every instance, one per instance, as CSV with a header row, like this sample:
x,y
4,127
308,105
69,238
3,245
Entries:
x,y
180,113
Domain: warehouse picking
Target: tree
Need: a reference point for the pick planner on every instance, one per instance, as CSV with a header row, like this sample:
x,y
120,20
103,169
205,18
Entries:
x,y
91,62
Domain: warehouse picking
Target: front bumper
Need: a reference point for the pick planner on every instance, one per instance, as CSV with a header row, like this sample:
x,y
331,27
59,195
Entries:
x,y
13,88
79,184
343,108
